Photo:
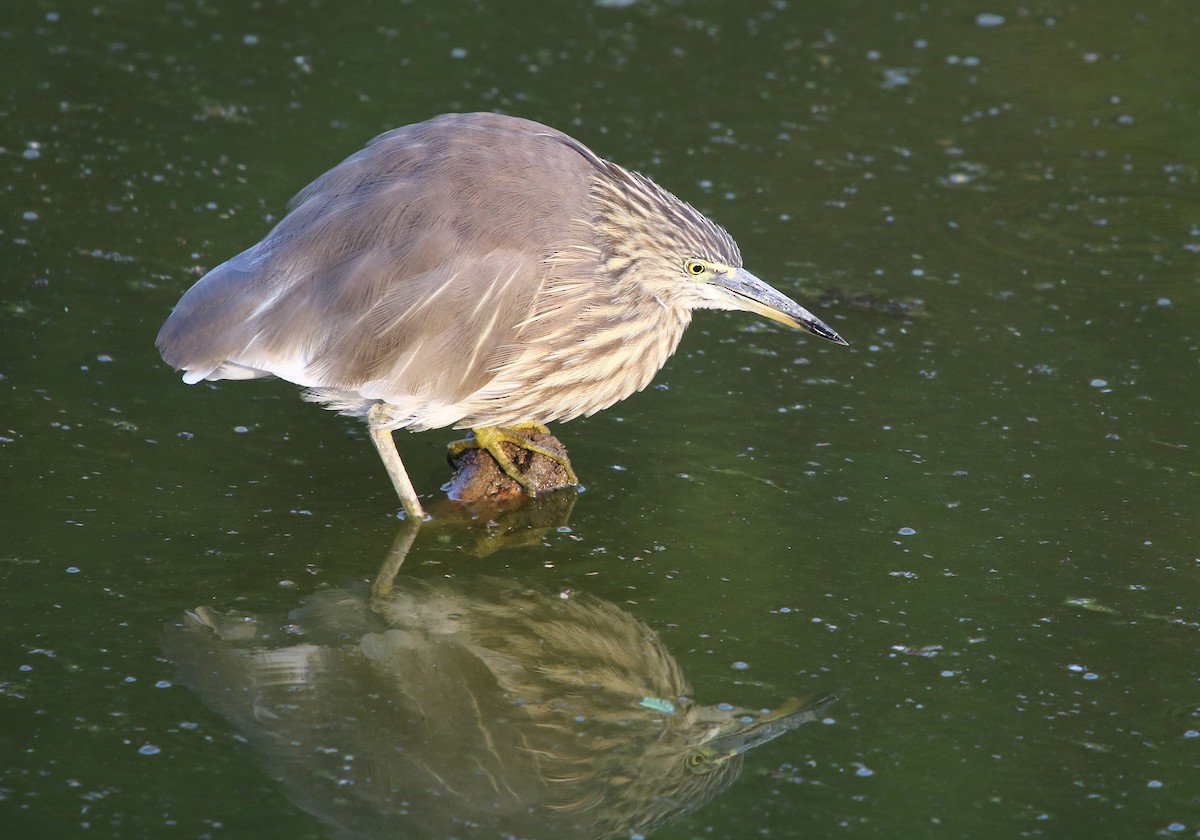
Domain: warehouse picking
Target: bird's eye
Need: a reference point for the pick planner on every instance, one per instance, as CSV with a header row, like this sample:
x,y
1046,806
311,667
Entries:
x,y
696,267
696,763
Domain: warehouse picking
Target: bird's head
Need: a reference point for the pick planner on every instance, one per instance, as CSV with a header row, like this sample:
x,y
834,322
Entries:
x,y
682,257
721,285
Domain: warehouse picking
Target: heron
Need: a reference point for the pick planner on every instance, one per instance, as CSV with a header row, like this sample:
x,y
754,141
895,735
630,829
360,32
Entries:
x,y
475,271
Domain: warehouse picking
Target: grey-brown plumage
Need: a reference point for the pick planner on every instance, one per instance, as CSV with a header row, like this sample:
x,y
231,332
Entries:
x,y
476,271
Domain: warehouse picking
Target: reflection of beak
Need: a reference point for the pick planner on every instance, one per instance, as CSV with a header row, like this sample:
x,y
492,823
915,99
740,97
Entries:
x,y
745,291
770,726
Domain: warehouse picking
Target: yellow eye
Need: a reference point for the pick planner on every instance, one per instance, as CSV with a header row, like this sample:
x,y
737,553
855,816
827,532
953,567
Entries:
x,y
696,763
696,267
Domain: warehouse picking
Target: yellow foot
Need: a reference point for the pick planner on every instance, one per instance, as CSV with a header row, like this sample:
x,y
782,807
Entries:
x,y
489,439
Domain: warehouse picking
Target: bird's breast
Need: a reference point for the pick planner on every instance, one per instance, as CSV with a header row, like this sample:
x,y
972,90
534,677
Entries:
x,y
599,356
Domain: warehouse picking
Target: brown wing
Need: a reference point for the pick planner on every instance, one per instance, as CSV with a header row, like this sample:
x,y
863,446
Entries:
x,y
401,272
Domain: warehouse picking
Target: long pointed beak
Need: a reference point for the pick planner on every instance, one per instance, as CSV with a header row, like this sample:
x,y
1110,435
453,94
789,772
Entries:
x,y
745,291
768,727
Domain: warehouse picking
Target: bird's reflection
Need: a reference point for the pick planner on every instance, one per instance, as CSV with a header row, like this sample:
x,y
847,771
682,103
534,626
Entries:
x,y
470,707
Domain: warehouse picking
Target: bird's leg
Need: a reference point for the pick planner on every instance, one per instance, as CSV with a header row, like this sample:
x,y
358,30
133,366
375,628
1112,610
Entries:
x,y
489,438
378,416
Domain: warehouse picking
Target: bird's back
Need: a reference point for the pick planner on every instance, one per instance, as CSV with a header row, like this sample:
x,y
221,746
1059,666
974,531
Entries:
x,y
362,291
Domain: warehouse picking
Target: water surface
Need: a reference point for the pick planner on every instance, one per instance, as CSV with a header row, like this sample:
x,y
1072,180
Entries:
x,y
976,521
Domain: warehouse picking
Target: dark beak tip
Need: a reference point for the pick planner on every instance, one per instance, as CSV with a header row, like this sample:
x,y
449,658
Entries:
x,y
821,330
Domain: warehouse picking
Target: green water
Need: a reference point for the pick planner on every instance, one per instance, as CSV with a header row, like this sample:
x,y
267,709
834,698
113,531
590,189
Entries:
x,y
973,522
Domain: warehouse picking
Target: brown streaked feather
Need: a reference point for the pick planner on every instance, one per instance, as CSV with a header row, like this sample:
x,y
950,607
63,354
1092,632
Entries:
x,y
430,272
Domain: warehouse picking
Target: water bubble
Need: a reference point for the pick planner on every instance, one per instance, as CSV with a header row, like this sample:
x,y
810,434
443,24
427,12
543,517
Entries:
x,y
149,749
906,531
987,20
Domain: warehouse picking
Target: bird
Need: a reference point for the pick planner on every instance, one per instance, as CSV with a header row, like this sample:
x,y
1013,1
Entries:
x,y
472,706
477,271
